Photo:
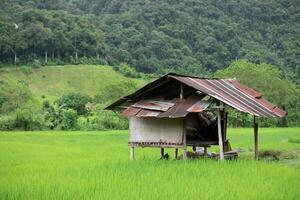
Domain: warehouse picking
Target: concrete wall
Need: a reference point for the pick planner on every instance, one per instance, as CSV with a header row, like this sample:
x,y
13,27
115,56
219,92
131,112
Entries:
x,y
156,130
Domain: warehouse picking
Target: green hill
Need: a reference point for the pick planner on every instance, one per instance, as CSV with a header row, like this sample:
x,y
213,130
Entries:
x,y
53,82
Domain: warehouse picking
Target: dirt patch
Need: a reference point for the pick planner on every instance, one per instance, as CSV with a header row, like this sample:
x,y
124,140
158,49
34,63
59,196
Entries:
x,y
279,155
270,154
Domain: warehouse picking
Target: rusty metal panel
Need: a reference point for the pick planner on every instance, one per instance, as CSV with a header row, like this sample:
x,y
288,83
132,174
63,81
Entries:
x,y
245,89
147,113
180,108
153,105
199,106
233,94
130,112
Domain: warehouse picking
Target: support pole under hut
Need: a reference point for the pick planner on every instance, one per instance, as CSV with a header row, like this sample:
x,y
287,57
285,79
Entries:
x,y
221,106
131,152
255,126
184,149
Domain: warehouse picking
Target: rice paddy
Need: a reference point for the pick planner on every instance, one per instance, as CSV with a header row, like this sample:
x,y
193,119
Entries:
x,y
95,165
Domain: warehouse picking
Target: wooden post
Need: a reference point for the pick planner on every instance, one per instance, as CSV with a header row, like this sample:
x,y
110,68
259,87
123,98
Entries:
x,y
176,153
131,152
181,91
162,152
184,155
184,141
220,135
205,151
255,139
194,148
225,124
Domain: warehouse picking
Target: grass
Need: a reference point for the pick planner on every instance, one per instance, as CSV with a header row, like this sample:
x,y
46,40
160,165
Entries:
x,y
95,165
55,81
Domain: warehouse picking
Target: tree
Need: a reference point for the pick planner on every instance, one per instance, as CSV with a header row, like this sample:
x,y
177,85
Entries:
x,y
75,101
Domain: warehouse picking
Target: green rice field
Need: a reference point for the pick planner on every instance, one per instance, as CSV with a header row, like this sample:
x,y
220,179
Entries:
x,y
96,165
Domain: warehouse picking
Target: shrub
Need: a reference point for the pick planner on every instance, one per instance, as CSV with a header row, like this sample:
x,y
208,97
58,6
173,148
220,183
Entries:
x,y
103,120
128,71
36,63
75,101
7,123
68,119
25,119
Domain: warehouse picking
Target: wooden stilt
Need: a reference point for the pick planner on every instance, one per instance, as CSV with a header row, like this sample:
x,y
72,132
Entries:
x,y
220,135
162,152
131,153
255,139
176,153
194,148
205,151
184,155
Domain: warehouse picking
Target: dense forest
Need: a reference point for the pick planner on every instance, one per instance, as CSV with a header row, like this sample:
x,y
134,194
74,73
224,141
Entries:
x,y
187,36
256,42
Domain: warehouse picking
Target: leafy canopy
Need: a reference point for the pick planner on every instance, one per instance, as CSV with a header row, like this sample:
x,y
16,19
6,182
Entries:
x,y
75,101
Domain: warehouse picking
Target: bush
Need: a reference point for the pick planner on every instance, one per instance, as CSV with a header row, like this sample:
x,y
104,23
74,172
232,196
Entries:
x,y
27,120
75,101
68,119
7,123
36,63
103,120
128,71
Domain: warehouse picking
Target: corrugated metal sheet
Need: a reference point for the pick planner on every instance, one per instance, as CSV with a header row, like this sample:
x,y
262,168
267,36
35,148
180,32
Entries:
x,y
199,106
130,112
147,113
233,94
179,108
153,105
228,91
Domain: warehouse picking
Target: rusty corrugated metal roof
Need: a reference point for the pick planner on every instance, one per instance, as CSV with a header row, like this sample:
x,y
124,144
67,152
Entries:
x,y
228,91
199,106
234,94
153,105
176,108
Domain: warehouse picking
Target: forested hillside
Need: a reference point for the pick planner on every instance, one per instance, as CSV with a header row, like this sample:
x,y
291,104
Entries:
x,y
188,36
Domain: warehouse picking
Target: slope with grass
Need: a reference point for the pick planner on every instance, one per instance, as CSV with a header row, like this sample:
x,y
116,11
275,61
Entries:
x,y
95,165
54,81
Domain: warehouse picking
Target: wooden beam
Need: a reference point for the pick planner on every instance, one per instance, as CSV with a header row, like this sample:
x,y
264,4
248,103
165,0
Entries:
x,y
255,139
225,124
184,141
205,151
131,153
220,135
176,153
181,91
194,148
162,152
184,154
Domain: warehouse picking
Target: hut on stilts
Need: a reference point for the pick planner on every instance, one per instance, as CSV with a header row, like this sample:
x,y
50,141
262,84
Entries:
x,y
177,111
